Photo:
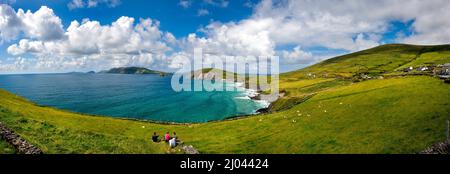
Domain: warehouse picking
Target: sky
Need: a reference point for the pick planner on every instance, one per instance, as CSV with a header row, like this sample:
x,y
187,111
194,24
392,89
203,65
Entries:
x,y
82,35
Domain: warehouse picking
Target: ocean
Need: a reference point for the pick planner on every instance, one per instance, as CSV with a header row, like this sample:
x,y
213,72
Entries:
x,y
144,97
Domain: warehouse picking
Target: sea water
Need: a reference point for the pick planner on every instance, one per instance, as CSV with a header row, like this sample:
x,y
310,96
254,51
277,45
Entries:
x,y
146,97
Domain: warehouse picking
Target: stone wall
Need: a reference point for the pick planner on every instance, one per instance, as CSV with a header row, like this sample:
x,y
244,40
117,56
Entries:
x,y
20,144
439,148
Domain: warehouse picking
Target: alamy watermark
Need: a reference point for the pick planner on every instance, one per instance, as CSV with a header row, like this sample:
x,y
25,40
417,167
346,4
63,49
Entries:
x,y
207,72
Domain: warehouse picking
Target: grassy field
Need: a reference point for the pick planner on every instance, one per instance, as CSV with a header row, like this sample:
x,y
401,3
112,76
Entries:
x,y
326,113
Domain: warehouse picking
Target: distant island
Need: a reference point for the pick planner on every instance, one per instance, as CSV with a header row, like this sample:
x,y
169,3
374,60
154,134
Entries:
x,y
132,70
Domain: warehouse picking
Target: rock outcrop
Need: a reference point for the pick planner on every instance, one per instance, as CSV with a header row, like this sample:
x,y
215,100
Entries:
x,y
439,148
190,149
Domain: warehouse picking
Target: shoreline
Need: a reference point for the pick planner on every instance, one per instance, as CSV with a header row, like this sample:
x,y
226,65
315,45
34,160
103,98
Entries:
x,y
253,95
258,107
230,118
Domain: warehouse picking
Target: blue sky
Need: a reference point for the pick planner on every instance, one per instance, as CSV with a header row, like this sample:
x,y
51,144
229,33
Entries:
x,y
173,17
300,32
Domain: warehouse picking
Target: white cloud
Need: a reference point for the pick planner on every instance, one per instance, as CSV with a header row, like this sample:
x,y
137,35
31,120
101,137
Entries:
x,y
219,3
344,25
335,24
315,23
123,43
185,3
202,12
43,24
74,4
362,43
431,25
297,56
268,28
245,38
10,24
179,59
121,37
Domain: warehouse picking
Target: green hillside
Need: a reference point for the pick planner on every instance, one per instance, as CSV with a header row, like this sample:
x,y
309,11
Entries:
x,y
380,62
321,114
131,70
376,61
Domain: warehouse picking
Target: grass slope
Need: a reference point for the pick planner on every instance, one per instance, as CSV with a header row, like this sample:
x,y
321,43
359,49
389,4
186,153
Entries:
x,y
355,118
376,61
321,113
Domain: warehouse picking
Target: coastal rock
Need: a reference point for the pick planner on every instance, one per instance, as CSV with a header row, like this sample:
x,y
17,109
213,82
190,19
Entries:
x,y
263,110
190,149
257,97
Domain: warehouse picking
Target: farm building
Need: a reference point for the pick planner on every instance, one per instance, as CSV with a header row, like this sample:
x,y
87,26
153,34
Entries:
x,y
446,69
408,69
422,68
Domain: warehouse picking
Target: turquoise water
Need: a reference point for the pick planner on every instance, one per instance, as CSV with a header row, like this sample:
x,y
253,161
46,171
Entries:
x,y
147,97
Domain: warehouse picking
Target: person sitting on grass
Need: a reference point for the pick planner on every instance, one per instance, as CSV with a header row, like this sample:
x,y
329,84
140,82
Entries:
x,y
174,135
167,137
155,137
173,142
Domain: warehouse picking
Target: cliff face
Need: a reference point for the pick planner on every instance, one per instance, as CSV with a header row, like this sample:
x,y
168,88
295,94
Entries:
x,y
255,93
247,81
205,76
209,74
